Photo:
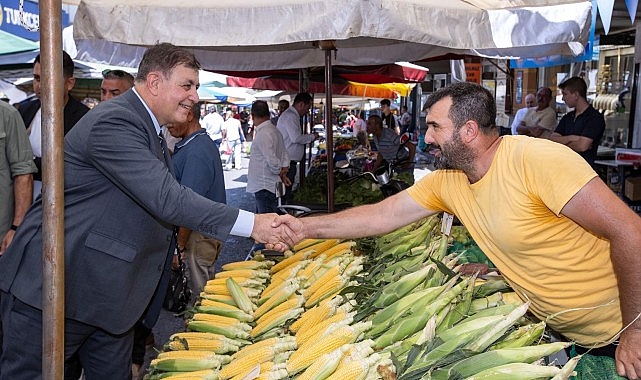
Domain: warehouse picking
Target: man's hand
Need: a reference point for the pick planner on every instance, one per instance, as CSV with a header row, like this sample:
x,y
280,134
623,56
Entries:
x,y
8,238
628,354
283,176
293,226
277,236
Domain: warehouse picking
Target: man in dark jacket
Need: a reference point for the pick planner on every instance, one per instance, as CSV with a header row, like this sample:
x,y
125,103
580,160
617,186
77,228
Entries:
x,y
31,112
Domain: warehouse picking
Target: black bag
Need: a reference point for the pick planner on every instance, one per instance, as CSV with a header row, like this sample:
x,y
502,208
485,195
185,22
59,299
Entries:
x,y
178,291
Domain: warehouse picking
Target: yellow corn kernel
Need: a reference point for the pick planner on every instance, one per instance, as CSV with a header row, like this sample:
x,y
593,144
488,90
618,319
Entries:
x,y
306,335
276,320
205,374
225,306
340,249
211,345
327,290
324,366
321,247
316,314
281,296
277,286
295,258
246,363
294,301
218,319
248,264
245,273
330,274
306,243
226,299
313,265
197,335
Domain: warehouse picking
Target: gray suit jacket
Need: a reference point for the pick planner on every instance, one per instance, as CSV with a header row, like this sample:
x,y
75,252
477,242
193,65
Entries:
x,y
121,201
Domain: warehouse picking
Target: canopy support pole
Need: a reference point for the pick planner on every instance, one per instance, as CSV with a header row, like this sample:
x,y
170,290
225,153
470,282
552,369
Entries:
x,y
328,47
53,308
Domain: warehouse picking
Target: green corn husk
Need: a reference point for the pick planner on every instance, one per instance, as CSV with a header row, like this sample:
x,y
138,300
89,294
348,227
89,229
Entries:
x,y
396,290
523,336
229,332
517,371
236,314
407,327
486,360
496,331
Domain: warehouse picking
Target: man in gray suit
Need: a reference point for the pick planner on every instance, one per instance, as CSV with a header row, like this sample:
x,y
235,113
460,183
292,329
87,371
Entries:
x,y
121,201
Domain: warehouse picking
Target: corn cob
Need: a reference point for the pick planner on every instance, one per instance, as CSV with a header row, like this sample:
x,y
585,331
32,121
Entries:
x,y
316,314
523,336
212,345
492,334
395,290
240,297
324,366
218,319
327,290
187,361
240,331
517,371
276,287
276,299
205,374
568,369
320,248
275,320
226,299
295,258
259,346
246,273
343,334
248,264
486,360
313,265
247,362
328,275
216,310
340,249
306,243
294,301
258,283
353,369
311,334
198,335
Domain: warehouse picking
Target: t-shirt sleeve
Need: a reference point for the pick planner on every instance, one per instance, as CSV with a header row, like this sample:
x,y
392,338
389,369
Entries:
x,y
425,191
554,173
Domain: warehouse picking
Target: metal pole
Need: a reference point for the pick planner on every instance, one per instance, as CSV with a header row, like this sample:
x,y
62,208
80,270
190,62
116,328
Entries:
x,y
328,47
52,190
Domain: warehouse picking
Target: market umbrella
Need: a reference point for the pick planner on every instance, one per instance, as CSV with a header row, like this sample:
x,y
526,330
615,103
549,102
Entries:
x,y
245,35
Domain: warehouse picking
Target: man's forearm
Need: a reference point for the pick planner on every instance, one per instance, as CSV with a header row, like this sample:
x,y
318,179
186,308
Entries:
x,y
23,195
183,237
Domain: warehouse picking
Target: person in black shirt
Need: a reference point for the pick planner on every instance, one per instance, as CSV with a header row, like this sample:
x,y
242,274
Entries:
x,y
582,128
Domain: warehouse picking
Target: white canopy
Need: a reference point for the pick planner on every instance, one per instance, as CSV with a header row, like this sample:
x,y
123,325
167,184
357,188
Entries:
x,y
277,34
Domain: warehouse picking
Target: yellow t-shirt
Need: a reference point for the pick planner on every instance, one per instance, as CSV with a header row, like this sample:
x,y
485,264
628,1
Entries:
x,y
513,215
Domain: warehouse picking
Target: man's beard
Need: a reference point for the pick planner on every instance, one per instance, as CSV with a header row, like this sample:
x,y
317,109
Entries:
x,y
455,155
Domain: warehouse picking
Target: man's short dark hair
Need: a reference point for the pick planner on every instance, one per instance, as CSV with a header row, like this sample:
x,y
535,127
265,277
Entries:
x,y
283,104
386,102
164,57
376,119
260,109
303,97
118,74
575,84
67,64
470,101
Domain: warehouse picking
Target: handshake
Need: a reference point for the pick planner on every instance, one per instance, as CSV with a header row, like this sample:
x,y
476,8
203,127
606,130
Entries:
x,y
278,232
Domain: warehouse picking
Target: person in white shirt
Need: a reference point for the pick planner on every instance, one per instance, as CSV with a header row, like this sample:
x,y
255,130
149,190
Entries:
x,y
234,134
530,101
289,126
269,162
539,121
213,124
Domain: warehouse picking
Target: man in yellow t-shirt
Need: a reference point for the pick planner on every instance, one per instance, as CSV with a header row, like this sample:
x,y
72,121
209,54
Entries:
x,y
559,235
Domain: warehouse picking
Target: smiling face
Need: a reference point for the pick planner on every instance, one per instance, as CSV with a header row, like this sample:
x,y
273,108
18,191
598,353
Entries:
x,y
175,94
445,139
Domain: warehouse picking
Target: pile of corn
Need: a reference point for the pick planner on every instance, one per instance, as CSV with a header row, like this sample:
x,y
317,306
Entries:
x,y
328,311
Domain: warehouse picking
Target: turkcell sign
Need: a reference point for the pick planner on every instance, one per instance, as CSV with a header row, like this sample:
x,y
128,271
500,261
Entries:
x,y
11,22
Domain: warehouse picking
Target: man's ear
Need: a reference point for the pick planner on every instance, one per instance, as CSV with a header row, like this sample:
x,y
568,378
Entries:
x,y
153,81
469,131
70,83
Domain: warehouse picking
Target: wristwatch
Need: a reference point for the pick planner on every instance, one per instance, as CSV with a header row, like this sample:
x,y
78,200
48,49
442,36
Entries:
x,y
13,227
